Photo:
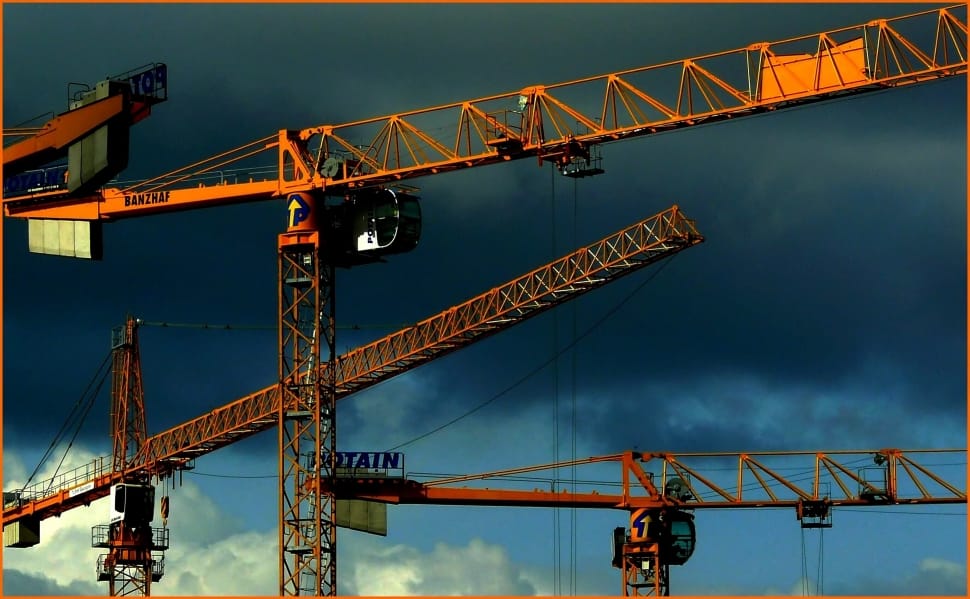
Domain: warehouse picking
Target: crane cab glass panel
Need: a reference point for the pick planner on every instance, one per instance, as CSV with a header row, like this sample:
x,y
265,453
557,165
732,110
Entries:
x,y
680,538
386,222
133,504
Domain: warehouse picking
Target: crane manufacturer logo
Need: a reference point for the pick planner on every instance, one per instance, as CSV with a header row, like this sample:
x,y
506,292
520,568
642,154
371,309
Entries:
x,y
48,179
150,197
298,208
367,459
638,525
150,81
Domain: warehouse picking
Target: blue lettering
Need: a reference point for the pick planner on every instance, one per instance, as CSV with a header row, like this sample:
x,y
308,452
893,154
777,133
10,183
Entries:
x,y
148,83
35,181
298,209
383,460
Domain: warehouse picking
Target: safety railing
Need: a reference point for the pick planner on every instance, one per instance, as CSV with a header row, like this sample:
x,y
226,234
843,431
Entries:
x,y
77,479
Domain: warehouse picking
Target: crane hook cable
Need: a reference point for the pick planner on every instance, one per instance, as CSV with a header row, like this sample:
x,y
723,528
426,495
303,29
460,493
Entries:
x,y
556,524
573,414
84,416
67,421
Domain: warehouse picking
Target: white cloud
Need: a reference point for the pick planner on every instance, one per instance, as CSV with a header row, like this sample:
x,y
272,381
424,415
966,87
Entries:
x,y
240,564
16,583
213,554
476,569
933,576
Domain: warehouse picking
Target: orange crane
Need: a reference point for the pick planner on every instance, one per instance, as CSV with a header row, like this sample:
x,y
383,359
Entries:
x,y
658,490
661,490
136,549
375,218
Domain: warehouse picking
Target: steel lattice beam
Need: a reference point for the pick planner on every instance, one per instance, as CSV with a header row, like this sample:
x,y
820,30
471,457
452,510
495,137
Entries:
x,y
714,481
557,123
634,247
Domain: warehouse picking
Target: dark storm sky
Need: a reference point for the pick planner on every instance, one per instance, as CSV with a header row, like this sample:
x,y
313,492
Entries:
x,y
826,308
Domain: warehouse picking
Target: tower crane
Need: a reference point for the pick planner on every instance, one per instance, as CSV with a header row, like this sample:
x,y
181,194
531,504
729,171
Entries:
x,y
136,549
347,206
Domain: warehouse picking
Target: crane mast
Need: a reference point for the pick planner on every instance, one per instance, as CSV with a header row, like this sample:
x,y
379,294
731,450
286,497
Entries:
x,y
135,555
347,206
308,406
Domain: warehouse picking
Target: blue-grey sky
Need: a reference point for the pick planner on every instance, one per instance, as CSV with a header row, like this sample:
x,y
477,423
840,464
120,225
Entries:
x,y
826,309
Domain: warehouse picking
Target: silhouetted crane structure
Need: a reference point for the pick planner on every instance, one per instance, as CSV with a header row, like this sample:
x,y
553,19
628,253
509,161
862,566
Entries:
x,y
347,205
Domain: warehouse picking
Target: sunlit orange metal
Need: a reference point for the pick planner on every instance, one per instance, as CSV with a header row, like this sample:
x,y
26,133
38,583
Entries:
x,y
765,488
128,427
644,574
307,413
557,123
129,100
634,247
51,141
129,566
69,490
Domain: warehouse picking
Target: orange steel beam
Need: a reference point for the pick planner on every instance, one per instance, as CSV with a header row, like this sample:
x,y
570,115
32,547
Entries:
x,y
587,268
753,484
50,141
67,491
556,123
827,474
134,94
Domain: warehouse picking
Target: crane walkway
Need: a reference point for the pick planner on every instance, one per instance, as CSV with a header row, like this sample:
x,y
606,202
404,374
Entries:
x,y
74,482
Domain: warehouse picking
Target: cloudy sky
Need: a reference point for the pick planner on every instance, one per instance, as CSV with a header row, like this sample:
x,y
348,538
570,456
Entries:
x,y
826,309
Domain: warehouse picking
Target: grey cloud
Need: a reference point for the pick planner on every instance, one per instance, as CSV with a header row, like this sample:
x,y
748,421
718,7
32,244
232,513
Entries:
x,y
934,576
19,584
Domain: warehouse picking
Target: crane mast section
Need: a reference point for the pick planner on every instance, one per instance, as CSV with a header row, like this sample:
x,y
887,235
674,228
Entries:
x,y
557,123
697,481
587,268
